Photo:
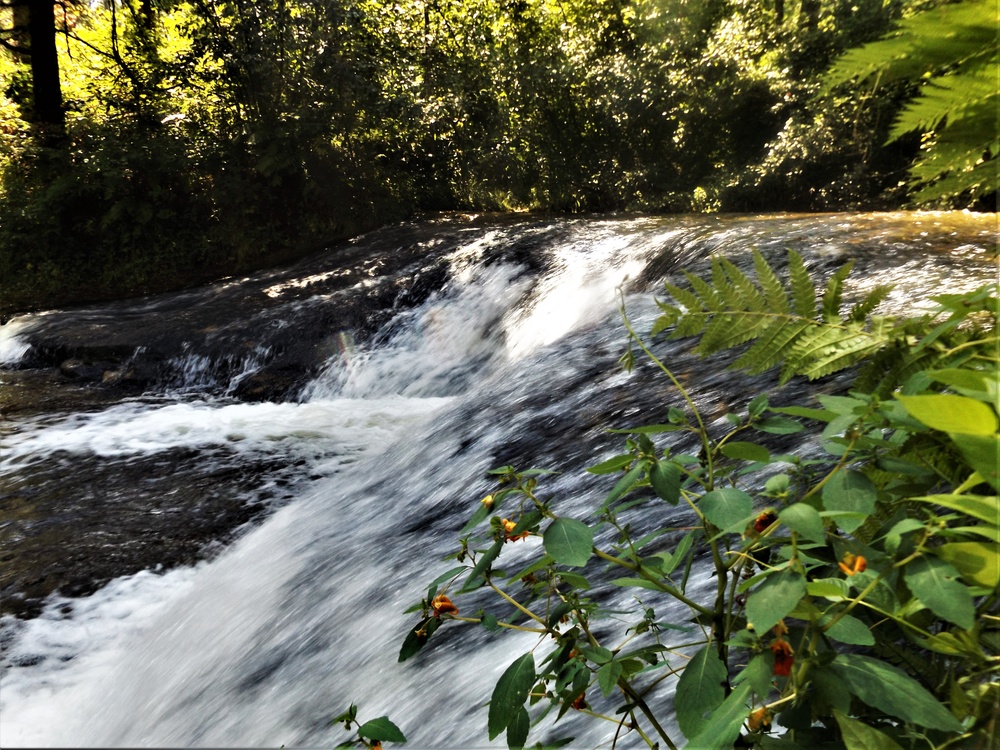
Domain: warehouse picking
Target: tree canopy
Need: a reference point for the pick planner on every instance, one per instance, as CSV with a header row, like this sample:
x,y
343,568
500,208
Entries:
x,y
164,140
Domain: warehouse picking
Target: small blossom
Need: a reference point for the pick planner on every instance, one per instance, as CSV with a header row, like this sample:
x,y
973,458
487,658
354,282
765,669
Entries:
x,y
780,629
764,520
759,719
508,528
580,703
852,564
487,501
783,657
441,605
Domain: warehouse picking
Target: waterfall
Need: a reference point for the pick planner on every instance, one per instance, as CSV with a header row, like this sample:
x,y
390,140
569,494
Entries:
x,y
512,359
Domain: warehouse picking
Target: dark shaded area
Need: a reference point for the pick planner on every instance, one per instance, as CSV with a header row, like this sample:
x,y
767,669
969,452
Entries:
x,y
118,517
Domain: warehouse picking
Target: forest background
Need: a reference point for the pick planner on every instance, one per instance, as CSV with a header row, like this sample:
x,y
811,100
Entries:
x,y
147,145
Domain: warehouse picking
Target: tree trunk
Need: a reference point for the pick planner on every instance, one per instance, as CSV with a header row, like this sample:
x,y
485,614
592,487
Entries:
x,y
47,93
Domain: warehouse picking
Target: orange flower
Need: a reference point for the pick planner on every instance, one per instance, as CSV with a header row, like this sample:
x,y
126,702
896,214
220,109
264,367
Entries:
x,y
759,719
580,703
508,527
783,657
441,605
764,520
852,564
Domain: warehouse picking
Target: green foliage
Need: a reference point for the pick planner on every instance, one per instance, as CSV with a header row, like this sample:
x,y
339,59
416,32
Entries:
x,y
270,128
951,50
372,733
852,598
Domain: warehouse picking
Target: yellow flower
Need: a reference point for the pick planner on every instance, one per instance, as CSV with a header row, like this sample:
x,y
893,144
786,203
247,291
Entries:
x,y
508,528
759,719
487,501
441,605
852,564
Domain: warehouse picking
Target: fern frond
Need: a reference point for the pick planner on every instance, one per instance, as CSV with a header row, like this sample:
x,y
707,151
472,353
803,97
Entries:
x,y
727,330
684,297
803,290
772,346
832,350
750,296
774,292
864,308
788,330
781,319
834,292
710,299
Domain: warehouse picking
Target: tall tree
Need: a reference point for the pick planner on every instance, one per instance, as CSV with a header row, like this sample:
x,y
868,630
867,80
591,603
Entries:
x,y
32,35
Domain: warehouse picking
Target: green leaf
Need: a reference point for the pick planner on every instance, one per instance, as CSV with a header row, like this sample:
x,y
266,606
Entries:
x,y
834,589
984,507
978,562
700,690
607,676
726,506
617,463
627,482
774,598
665,478
950,413
849,629
850,491
510,693
804,520
475,578
778,426
759,673
723,726
744,451
381,730
983,454
517,730
417,638
569,541
598,654
891,690
820,415
859,736
933,582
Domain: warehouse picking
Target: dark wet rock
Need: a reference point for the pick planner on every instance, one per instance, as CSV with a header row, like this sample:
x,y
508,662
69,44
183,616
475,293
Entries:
x,y
119,517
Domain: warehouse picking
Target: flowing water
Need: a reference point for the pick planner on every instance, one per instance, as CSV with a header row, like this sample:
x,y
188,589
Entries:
x,y
362,474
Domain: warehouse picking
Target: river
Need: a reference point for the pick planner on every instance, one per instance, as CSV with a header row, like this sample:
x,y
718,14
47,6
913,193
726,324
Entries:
x,y
217,504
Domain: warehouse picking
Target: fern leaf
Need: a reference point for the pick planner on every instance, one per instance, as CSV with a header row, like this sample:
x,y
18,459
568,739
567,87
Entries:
x,y
774,292
826,349
803,291
686,299
835,291
771,346
729,330
669,318
748,291
863,309
709,298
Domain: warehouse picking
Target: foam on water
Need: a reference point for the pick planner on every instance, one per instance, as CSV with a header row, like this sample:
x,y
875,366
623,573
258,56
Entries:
x,y
13,346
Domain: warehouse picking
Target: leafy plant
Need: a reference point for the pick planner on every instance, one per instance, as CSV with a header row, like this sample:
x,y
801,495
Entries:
x,y
372,733
852,598
951,50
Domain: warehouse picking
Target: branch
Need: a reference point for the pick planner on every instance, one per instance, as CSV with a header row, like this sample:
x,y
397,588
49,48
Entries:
x,y
14,48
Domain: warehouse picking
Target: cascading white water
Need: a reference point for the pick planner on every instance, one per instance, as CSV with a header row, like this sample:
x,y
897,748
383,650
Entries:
x,y
302,615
